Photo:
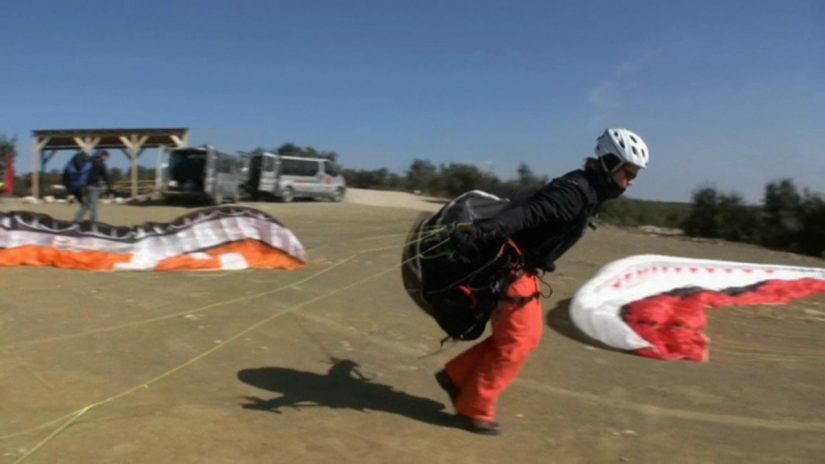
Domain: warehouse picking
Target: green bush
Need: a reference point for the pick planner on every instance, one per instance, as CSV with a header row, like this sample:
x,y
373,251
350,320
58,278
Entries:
x,y
787,220
631,212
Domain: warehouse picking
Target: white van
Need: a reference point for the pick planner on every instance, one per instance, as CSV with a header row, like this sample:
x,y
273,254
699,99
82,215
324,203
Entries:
x,y
198,173
290,177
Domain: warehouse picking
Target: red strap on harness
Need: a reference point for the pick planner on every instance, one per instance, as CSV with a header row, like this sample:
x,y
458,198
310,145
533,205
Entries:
x,y
511,243
470,295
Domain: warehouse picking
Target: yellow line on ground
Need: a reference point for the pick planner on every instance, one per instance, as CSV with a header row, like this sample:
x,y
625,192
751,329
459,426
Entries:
x,y
74,416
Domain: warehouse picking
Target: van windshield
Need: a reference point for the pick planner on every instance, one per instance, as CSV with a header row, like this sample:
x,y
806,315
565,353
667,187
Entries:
x,y
332,169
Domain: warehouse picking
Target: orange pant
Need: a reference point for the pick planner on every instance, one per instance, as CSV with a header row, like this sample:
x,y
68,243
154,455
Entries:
x,y
484,371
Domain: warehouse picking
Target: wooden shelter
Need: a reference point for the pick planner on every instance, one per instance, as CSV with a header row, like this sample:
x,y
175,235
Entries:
x,y
131,142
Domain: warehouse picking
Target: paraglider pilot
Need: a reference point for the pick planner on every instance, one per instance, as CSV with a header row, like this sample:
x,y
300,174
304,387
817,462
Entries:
x,y
542,228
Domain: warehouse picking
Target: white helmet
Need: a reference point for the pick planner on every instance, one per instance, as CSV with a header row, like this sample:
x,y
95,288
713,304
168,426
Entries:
x,y
626,145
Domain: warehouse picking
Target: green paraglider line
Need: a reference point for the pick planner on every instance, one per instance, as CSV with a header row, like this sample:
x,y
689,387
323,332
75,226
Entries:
x,y
187,312
68,419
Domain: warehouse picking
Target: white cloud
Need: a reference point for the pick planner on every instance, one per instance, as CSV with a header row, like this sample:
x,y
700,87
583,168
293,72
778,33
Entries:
x,y
603,95
607,94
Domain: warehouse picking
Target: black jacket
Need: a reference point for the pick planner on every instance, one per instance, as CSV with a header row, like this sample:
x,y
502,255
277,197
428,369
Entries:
x,y
98,173
553,219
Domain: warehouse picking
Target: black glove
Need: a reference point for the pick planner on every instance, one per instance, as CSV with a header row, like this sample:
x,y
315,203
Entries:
x,y
469,241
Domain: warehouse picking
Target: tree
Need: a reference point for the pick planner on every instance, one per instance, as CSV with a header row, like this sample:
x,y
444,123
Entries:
x,y
525,185
290,149
6,146
7,154
421,176
812,238
116,174
781,219
736,221
724,216
376,179
526,178
703,219
459,178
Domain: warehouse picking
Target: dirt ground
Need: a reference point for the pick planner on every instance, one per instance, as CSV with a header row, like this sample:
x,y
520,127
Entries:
x,y
334,363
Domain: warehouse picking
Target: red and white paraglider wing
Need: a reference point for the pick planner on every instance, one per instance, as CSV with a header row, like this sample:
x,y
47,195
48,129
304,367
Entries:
x,y
219,238
655,304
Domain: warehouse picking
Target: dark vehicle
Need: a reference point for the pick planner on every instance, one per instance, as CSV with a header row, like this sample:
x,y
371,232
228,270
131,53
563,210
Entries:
x,y
202,173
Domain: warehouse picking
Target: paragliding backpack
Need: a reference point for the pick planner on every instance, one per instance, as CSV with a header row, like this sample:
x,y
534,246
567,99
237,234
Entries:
x,y
76,175
458,293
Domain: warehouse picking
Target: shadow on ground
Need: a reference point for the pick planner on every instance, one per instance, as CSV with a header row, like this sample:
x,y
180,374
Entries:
x,y
343,386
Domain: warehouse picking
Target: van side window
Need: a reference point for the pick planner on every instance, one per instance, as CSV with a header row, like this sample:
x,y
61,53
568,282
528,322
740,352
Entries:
x,y
269,163
224,164
332,169
293,167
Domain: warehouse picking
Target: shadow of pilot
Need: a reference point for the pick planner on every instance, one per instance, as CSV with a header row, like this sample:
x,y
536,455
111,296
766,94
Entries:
x,y
343,386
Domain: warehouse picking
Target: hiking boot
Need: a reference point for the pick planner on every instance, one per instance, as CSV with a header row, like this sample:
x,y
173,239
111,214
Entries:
x,y
479,426
446,384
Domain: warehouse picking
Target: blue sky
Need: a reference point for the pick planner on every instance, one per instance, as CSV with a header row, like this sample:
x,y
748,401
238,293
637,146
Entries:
x,y
726,93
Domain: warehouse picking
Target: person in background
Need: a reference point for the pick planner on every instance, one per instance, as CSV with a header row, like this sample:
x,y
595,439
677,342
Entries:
x,y
73,177
90,194
542,228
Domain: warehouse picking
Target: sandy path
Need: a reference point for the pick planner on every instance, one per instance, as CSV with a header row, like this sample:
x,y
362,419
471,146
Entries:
x,y
392,199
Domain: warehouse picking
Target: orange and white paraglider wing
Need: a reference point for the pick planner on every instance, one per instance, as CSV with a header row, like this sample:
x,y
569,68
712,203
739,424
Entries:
x,y
220,238
654,305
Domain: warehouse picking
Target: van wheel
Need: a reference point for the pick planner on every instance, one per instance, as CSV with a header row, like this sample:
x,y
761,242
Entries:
x,y
338,195
287,195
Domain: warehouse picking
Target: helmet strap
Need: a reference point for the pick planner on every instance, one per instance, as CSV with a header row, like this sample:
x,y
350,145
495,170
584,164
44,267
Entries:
x,y
612,190
610,163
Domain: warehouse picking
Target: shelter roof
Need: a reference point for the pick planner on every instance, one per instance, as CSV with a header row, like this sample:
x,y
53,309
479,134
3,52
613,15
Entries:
x,y
109,138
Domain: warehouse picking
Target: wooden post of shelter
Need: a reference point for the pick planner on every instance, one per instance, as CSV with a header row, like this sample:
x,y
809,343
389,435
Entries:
x,y
134,143
130,141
